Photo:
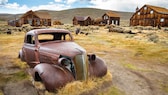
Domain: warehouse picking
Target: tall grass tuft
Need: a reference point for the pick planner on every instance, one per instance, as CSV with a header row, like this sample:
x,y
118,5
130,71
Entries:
x,y
79,87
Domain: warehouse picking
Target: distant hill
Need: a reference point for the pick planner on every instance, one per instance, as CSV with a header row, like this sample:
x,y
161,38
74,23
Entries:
x,y
66,16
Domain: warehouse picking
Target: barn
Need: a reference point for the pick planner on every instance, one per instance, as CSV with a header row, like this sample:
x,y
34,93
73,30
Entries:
x,y
150,15
82,20
36,18
111,18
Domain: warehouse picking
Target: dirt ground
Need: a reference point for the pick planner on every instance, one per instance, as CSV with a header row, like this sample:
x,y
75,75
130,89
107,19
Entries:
x,y
148,81
131,75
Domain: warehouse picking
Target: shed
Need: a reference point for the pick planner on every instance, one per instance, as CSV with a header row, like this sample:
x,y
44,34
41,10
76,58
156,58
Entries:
x,y
82,20
111,18
150,15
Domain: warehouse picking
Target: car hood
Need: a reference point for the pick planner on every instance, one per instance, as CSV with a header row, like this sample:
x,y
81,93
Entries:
x,y
62,48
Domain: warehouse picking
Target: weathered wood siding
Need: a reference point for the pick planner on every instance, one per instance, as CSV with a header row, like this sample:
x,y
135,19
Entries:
x,y
147,16
82,21
111,18
33,19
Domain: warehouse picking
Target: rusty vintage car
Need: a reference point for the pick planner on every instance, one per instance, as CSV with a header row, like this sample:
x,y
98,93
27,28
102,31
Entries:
x,y
56,59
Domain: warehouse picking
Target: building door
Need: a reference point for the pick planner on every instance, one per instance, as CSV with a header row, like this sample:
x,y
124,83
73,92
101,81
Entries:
x,y
112,21
116,22
108,22
30,21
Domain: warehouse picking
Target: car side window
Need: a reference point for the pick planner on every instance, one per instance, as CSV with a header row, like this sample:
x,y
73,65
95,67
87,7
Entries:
x,y
66,37
30,39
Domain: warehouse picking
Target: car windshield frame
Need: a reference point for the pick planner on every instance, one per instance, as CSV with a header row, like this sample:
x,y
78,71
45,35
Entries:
x,y
54,37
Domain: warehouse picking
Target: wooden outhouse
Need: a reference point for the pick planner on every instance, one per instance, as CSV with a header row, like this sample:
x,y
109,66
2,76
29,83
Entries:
x,y
111,18
150,15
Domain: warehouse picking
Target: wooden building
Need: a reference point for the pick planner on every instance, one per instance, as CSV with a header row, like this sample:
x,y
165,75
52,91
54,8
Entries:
x,y
111,18
36,18
82,20
15,22
150,15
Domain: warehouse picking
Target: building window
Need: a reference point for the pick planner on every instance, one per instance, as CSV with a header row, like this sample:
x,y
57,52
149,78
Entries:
x,y
162,20
105,17
151,12
139,13
145,8
108,22
38,22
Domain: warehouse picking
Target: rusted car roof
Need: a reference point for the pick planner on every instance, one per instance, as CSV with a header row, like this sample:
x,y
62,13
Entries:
x,y
41,31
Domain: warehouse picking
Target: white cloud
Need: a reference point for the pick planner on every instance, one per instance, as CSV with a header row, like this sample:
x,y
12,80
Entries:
x,y
12,5
58,0
15,8
50,7
71,1
2,2
125,5
118,5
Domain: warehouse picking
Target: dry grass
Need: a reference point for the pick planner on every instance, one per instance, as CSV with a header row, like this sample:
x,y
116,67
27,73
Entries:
x,y
112,91
78,87
105,42
3,23
10,46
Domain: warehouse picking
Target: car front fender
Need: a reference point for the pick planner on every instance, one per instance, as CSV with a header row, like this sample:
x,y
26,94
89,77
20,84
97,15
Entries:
x,y
53,76
97,67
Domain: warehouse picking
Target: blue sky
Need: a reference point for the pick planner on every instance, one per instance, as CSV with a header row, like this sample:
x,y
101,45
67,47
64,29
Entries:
x,y
22,6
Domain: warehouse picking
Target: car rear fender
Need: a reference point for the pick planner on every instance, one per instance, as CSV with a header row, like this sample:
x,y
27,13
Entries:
x,y
21,55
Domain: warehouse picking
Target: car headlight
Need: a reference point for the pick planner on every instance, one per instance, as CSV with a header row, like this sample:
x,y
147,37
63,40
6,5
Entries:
x,y
64,61
91,57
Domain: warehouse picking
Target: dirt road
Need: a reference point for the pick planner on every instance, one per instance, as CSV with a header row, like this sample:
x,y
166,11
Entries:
x,y
137,77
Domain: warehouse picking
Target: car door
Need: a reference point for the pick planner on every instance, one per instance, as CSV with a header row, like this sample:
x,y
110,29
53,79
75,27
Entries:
x,y
31,51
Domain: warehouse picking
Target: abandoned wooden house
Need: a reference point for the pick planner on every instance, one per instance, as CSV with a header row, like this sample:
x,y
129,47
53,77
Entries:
x,y
111,18
82,20
36,18
150,15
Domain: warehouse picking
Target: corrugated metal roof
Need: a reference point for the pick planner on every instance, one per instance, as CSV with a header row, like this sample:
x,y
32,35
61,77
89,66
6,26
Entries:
x,y
81,18
112,14
158,9
43,15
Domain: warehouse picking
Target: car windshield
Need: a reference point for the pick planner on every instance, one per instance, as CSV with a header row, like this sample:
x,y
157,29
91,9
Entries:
x,y
46,37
